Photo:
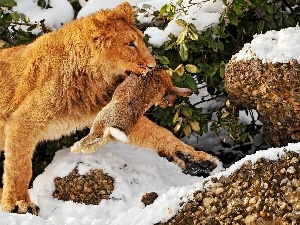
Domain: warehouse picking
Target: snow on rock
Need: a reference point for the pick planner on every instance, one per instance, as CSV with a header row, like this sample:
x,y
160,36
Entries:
x,y
273,46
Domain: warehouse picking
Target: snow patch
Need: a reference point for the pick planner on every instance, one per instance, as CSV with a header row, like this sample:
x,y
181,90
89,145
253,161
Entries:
x,y
273,47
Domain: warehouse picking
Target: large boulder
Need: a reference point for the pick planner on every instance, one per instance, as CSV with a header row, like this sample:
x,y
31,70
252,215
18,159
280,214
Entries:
x,y
265,75
265,192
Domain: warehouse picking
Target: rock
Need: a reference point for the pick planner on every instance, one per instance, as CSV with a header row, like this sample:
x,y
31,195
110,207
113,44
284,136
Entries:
x,y
273,89
149,198
248,204
89,189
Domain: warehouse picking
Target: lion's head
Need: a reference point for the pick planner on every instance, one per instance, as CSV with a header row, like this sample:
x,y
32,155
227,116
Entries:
x,y
112,36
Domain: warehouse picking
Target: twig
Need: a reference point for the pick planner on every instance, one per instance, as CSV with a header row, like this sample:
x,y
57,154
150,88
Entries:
x,y
207,100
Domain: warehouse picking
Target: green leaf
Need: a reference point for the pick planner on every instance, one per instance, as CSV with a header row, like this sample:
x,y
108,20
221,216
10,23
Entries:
x,y
32,27
220,46
204,128
224,115
244,136
270,9
222,27
191,83
15,16
164,60
195,126
187,112
233,19
290,22
260,26
191,68
169,9
8,3
222,69
207,33
183,51
179,2
168,45
181,22
193,35
237,8
182,36
187,130
24,18
193,46
163,9
180,70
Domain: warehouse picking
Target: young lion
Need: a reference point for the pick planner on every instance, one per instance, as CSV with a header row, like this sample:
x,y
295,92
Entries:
x,y
129,102
59,83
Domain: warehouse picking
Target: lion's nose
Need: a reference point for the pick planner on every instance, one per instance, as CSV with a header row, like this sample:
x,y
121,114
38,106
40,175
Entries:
x,y
151,65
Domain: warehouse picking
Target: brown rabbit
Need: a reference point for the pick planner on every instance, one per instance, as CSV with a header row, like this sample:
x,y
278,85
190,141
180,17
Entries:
x,y
130,101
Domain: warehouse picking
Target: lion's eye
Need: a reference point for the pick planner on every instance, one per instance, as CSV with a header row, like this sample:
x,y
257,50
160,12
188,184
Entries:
x,y
131,44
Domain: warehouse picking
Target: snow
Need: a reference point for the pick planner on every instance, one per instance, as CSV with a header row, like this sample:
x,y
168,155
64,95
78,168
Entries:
x,y
135,171
60,12
144,170
273,46
202,14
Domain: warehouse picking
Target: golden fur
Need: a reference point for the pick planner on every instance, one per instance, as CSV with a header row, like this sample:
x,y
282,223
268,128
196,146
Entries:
x,y
59,83
130,101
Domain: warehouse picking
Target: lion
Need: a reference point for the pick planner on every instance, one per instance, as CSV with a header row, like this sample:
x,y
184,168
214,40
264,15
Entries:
x,y
58,84
131,99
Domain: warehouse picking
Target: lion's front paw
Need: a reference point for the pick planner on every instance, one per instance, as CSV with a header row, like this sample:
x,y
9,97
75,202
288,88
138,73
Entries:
x,y
195,166
20,207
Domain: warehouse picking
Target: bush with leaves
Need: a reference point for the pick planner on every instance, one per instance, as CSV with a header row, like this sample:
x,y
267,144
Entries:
x,y
195,58
11,22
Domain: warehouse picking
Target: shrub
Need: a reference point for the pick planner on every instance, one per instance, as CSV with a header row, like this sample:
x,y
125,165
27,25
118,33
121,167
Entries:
x,y
195,58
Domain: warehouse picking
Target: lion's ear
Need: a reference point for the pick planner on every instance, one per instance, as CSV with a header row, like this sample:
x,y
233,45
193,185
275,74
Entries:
x,y
125,11
121,12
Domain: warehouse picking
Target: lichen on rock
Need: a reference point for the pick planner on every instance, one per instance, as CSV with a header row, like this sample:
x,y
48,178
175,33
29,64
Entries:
x,y
263,193
273,89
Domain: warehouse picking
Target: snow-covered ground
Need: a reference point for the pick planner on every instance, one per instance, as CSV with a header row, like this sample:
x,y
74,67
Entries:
x,y
145,171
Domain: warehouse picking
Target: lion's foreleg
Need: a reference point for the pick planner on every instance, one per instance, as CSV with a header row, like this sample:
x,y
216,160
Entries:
x,y
149,135
20,143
